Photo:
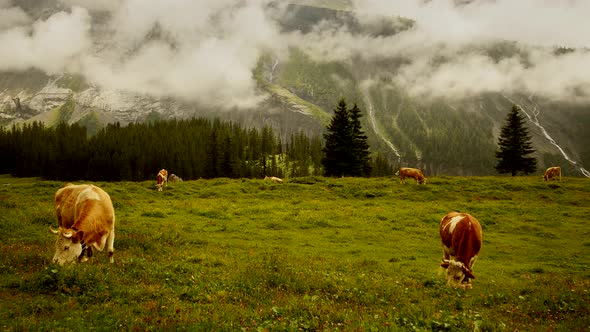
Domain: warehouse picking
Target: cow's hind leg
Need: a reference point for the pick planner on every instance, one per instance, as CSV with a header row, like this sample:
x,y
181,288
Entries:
x,y
111,245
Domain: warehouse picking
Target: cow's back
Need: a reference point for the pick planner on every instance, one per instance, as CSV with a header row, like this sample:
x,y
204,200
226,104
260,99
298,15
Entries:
x,y
65,204
461,235
75,201
406,172
552,172
94,205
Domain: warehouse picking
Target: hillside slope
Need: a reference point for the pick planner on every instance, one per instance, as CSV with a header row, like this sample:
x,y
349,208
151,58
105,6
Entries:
x,y
441,135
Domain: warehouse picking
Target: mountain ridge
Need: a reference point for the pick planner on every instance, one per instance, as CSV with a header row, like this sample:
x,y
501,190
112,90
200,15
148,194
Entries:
x,y
442,136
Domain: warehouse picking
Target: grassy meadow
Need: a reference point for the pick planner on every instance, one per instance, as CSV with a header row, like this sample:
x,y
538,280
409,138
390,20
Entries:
x,y
309,254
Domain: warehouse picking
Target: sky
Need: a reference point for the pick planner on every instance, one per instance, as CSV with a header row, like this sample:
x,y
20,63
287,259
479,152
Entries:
x,y
208,49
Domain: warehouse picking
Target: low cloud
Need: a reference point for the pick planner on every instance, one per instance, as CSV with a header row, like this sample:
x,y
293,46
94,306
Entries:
x,y
206,50
196,51
537,22
201,51
94,5
11,16
54,45
463,35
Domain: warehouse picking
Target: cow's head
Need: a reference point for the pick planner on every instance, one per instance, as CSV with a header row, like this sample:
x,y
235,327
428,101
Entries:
x,y
158,186
68,247
458,274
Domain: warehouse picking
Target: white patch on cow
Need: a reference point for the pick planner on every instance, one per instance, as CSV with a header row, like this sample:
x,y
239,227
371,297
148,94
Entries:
x,y
453,223
88,194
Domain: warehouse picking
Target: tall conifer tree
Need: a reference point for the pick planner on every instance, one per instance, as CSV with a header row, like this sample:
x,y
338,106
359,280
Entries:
x,y
346,152
515,145
361,153
338,151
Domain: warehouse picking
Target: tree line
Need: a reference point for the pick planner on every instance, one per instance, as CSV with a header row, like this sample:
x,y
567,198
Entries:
x,y
192,149
204,148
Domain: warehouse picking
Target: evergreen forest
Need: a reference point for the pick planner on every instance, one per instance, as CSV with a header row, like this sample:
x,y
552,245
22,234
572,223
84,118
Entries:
x,y
191,149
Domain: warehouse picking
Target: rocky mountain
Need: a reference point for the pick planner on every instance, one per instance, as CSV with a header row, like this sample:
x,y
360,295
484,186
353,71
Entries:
x,y
298,86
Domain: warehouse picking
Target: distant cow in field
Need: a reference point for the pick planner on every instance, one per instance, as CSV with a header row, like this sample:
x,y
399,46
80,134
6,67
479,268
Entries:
x,y
86,220
161,179
174,178
552,173
273,179
461,238
413,173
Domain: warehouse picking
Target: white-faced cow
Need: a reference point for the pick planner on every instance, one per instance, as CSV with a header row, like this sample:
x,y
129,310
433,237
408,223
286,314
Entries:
x,y
461,238
413,173
161,179
552,173
86,220
273,179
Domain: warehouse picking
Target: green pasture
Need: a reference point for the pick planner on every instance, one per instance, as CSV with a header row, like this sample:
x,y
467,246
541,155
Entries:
x,y
311,254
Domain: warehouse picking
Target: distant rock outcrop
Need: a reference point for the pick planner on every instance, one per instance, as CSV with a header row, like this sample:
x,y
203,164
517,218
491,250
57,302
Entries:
x,y
174,178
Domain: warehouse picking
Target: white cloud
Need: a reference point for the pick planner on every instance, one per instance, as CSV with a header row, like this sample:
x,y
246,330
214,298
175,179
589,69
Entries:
x,y
11,16
459,33
539,22
53,45
94,5
206,50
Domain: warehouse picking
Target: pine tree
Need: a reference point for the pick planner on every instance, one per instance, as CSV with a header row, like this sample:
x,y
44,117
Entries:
x,y
346,152
337,151
515,145
212,161
362,155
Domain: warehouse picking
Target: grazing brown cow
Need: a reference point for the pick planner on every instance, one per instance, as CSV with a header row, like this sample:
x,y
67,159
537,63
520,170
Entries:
x,y
461,238
161,179
274,179
552,172
413,173
86,220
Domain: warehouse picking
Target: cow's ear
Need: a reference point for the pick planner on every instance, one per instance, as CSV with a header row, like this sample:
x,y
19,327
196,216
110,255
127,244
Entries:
x,y
469,274
444,264
78,236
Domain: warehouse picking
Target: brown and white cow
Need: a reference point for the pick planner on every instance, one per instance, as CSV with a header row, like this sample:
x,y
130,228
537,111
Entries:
x,y
552,172
461,238
86,220
273,179
161,179
413,173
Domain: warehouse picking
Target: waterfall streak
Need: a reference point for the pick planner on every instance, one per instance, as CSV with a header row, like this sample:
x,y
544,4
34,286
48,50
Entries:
x,y
373,122
532,115
272,70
